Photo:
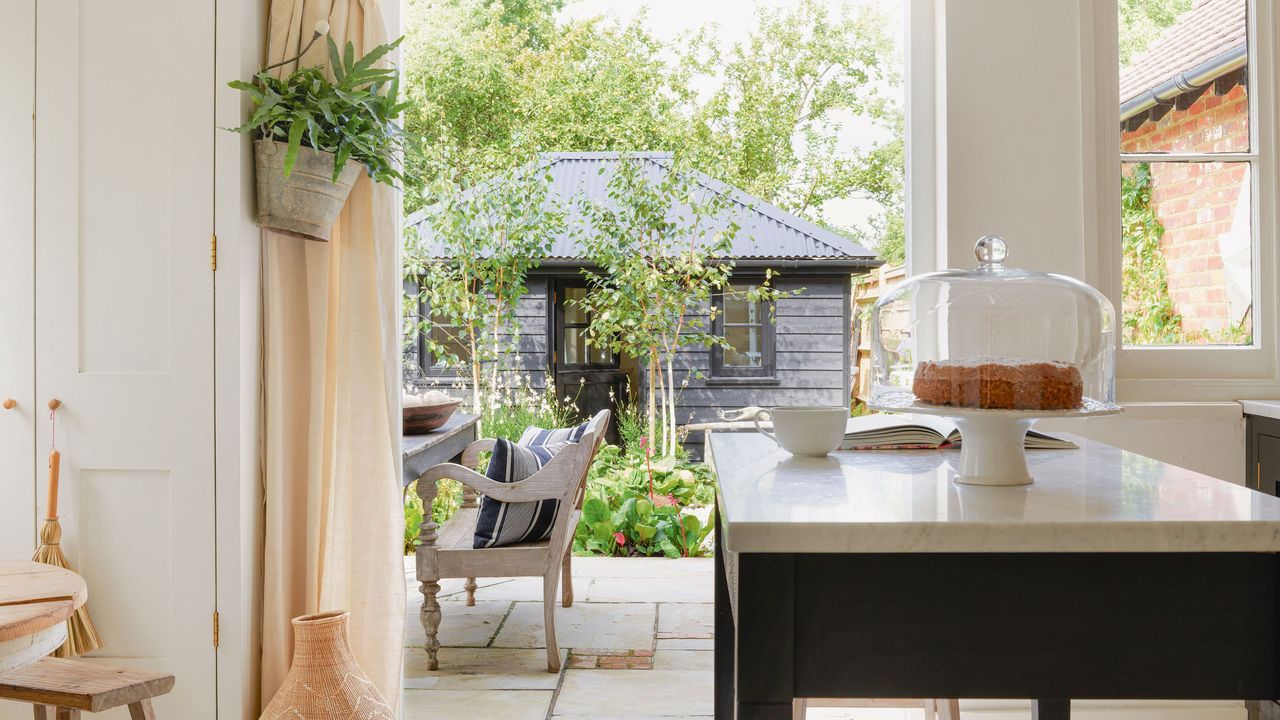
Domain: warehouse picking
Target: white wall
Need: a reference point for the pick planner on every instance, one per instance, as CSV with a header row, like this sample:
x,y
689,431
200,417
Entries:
x,y
1013,128
238,328
1014,148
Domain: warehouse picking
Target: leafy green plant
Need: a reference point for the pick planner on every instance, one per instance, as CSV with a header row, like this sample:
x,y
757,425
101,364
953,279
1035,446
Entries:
x,y
448,500
352,116
659,250
493,234
635,505
1149,315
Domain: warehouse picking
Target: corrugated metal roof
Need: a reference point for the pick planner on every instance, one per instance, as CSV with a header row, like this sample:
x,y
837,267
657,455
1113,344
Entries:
x,y
1209,29
765,232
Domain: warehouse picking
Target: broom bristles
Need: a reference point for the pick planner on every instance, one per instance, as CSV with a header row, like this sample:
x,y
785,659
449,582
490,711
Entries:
x,y
82,636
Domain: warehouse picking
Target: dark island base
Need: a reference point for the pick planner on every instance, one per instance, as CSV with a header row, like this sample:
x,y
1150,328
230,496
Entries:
x,y
1193,626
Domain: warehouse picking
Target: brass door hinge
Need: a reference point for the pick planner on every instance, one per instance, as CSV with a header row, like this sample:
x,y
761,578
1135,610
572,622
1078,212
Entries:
x,y
213,252
215,628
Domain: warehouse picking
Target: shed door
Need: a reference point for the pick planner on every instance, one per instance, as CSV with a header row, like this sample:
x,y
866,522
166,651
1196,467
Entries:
x,y
590,376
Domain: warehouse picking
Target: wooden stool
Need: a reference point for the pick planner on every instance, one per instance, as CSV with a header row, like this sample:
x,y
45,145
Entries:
x,y
939,709
62,689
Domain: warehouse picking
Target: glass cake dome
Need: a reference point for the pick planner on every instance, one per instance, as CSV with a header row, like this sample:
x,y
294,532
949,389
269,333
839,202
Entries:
x,y
996,343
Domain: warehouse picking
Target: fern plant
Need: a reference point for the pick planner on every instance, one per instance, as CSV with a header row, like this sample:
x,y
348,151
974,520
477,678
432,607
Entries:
x,y
353,115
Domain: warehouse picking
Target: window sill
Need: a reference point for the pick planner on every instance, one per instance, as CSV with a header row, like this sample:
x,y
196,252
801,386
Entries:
x,y
742,381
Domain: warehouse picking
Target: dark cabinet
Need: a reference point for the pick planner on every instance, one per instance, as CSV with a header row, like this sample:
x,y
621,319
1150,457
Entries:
x,y
1262,469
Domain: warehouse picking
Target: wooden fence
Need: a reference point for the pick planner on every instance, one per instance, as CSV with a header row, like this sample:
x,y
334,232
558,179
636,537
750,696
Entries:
x,y
866,290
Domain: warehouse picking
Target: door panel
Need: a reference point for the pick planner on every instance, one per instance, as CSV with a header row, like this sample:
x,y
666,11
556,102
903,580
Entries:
x,y
17,248
589,376
124,207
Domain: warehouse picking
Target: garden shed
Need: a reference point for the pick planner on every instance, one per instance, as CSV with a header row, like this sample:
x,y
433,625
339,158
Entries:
x,y
800,356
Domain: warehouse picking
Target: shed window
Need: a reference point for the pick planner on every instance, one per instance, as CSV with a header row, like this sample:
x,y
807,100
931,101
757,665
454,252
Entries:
x,y
745,325
440,334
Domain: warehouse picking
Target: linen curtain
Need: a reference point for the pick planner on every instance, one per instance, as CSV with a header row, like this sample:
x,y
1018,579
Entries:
x,y
333,519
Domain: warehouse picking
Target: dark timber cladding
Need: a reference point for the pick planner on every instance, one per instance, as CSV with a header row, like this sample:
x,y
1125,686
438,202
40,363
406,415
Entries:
x,y
806,354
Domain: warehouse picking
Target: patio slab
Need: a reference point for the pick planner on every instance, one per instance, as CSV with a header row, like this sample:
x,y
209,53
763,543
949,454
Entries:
x,y
683,588
470,705
684,660
685,620
460,625
481,669
634,694
614,626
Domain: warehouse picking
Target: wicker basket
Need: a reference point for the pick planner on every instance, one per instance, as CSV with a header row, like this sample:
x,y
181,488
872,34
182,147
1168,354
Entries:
x,y
325,682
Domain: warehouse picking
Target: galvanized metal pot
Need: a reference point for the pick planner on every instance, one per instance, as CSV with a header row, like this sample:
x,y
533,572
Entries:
x,y
308,202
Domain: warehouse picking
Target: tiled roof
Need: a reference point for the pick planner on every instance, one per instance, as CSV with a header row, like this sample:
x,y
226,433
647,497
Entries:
x,y
765,231
1209,29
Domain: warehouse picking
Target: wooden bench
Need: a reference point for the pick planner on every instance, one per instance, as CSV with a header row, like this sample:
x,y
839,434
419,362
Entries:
x,y
62,689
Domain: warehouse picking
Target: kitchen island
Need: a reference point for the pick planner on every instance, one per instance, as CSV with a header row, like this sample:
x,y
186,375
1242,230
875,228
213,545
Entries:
x,y
875,575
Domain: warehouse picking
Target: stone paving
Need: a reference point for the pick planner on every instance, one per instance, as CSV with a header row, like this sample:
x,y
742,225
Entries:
x,y
637,645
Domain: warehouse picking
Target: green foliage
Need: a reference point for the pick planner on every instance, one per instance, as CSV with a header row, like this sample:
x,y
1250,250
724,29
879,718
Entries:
x,y
657,247
448,500
635,507
508,415
493,233
353,116
1149,314
496,80
1142,21
772,127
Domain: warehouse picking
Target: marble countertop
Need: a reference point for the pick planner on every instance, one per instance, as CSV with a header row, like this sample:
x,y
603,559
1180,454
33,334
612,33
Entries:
x,y
1095,499
1265,408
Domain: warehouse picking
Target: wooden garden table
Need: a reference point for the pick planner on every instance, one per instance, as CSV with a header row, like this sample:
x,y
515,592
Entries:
x,y
419,452
35,602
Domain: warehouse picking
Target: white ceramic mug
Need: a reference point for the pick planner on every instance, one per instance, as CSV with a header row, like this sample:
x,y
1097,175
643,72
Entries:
x,y
806,430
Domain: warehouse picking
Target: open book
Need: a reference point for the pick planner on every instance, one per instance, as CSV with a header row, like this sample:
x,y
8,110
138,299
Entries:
x,y
920,432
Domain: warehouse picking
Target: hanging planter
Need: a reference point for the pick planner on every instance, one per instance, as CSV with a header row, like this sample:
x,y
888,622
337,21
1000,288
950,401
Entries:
x,y
316,130
307,202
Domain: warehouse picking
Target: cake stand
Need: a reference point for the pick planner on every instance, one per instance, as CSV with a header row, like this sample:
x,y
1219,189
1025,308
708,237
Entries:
x,y
993,450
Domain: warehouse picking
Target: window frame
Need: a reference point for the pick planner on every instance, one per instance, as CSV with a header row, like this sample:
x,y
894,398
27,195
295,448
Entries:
x,y
560,325
767,370
435,369
1182,372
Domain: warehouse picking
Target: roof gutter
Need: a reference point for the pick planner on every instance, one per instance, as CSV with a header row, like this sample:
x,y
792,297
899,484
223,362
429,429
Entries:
x,y
1184,82
844,263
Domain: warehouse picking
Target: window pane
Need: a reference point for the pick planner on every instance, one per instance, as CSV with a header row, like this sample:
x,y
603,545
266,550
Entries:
x,y
572,313
575,346
1188,253
745,346
738,310
601,356
1184,76
450,338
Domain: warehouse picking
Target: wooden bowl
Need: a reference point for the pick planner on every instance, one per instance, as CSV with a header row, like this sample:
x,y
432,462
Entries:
x,y
425,418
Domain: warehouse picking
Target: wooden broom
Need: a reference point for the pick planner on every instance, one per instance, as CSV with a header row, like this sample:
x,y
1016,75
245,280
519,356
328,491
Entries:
x,y
82,637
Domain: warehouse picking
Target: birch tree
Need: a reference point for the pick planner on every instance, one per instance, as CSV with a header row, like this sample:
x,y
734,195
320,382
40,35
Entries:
x,y
659,247
473,265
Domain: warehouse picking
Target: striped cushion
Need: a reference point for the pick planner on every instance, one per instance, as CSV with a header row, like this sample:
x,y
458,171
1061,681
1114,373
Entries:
x,y
537,437
500,523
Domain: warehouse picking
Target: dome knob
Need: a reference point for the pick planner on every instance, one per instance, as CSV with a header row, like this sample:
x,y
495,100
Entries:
x,y
991,250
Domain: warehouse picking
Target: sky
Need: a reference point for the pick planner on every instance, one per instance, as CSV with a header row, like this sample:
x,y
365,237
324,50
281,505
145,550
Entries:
x,y
733,20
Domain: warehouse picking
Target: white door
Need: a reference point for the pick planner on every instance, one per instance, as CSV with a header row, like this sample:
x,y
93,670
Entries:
x,y
124,321
17,249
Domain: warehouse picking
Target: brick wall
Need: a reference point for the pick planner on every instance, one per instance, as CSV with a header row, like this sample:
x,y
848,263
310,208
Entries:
x,y
1197,202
